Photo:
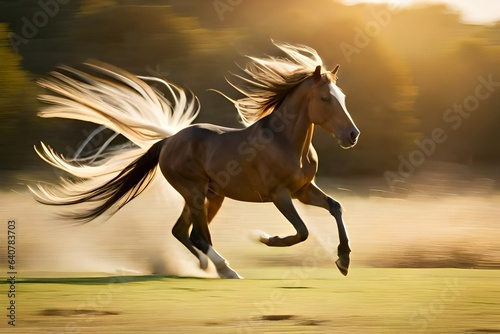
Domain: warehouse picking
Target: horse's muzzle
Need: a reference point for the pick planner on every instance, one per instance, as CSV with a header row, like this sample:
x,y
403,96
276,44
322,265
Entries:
x,y
350,138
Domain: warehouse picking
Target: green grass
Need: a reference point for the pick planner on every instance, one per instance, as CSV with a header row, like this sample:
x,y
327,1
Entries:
x,y
280,294
269,300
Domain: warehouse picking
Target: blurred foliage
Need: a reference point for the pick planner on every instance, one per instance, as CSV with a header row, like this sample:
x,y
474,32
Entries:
x,y
401,71
17,107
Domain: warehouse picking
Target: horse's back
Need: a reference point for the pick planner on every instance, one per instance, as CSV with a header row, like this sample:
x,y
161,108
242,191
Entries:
x,y
185,151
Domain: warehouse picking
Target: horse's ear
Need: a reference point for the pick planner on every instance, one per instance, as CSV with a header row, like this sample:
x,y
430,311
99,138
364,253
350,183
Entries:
x,y
336,69
317,72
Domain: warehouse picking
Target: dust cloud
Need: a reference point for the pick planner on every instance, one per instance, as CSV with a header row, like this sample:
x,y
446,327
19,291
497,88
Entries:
x,y
417,229
135,241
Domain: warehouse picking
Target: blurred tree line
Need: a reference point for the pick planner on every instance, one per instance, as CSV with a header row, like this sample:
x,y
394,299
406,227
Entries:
x,y
402,69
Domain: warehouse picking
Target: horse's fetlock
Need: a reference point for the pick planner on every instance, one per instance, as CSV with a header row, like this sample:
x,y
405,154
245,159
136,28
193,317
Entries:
x,y
341,250
303,235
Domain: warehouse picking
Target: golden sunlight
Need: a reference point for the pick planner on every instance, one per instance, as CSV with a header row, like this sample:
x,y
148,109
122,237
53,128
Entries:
x,y
479,11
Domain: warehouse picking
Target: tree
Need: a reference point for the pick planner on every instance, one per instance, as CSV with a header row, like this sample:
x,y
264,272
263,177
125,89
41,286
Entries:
x,y
17,104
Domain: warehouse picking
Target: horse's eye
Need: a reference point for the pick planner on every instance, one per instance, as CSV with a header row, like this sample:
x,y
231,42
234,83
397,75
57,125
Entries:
x,y
325,98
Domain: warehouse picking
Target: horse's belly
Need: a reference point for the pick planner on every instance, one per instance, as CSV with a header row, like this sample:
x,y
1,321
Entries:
x,y
239,191
249,186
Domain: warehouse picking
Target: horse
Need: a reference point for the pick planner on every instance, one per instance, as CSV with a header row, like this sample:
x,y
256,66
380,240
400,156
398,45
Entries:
x,y
270,159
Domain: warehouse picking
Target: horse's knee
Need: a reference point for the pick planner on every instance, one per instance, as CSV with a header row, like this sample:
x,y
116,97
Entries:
x,y
335,207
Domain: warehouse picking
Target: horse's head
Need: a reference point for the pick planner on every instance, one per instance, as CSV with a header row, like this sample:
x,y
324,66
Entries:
x,y
327,108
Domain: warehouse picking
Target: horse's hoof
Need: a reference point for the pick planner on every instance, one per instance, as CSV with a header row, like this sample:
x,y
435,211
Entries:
x,y
262,237
343,264
228,272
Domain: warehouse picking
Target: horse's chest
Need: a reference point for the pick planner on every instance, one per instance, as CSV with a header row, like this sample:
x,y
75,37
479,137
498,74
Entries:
x,y
304,174
293,175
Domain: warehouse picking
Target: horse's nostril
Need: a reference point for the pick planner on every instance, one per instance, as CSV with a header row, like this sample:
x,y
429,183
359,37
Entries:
x,y
354,136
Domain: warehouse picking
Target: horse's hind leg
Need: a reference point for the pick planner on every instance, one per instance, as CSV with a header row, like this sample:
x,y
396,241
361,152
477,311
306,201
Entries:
x,y
181,232
214,203
200,236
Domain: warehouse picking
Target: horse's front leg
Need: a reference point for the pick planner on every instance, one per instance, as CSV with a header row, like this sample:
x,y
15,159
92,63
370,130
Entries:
x,y
313,195
283,201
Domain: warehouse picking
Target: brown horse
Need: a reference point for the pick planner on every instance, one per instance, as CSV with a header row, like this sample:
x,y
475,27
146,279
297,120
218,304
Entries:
x,y
270,160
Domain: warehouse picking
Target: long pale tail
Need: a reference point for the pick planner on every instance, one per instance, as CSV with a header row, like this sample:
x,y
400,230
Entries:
x,y
118,191
127,104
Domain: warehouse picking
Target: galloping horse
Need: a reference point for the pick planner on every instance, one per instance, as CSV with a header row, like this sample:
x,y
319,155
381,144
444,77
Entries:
x,y
270,160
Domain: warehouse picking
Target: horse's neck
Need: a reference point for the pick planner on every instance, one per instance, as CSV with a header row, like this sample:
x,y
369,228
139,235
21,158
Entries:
x,y
297,127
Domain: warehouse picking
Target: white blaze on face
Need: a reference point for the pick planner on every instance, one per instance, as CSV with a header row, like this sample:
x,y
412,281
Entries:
x,y
337,93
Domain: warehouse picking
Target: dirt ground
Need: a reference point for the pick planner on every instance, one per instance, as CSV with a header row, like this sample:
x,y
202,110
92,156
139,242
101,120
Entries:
x,y
387,229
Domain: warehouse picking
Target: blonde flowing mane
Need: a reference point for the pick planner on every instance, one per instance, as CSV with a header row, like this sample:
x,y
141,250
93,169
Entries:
x,y
270,79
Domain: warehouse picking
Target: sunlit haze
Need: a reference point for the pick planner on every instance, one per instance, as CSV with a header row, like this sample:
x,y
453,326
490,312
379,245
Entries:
x,y
478,11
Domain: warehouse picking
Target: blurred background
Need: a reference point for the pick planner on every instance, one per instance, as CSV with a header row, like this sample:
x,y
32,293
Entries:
x,y
422,80
403,65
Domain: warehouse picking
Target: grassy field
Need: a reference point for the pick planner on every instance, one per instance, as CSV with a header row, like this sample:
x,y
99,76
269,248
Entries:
x,y
305,300
420,264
